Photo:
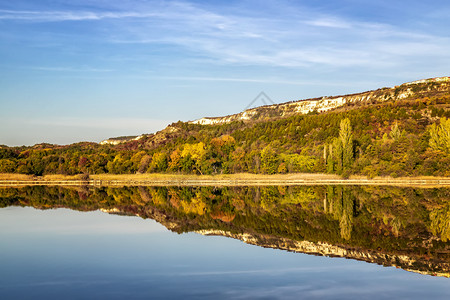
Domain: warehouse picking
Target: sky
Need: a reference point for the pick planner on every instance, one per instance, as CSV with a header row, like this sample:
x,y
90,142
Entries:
x,y
85,70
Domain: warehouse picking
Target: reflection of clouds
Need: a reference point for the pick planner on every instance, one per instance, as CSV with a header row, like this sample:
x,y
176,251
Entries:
x,y
74,222
360,267
333,289
55,283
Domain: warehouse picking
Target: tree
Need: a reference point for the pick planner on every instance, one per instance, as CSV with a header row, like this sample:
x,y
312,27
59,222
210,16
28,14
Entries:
x,y
395,133
440,136
269,160
159,162
175,158
329,158
7,166
298,162
338,155
346,139
144,163
196,153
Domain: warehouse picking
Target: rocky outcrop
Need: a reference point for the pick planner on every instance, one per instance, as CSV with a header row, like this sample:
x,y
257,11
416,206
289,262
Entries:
x,y
120,140
407,90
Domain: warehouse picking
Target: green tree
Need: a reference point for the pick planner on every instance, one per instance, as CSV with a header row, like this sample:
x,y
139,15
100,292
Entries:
x,y
346,139
269,160
7,166
395,133
159,162
339,156
440,135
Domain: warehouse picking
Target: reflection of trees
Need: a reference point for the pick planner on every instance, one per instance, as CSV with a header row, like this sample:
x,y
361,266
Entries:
x,y
269,197
195,205
340,203
389,218
440,222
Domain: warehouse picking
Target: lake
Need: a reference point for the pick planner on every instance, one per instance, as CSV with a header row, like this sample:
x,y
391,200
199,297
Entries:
x,y
284,242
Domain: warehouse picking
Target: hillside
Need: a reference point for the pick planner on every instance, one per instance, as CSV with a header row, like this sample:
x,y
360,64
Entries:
x,y
426,87
399,131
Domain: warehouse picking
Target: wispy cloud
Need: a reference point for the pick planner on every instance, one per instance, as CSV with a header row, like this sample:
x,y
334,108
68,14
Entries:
x,y
306,39
329,22
55,16
68,69
273,80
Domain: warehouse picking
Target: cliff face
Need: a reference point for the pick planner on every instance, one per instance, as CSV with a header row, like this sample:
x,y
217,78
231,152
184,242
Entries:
x,y
410,90
120,140
420,88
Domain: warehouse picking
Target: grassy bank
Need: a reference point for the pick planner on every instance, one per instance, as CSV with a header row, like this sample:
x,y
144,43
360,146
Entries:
x,y
7,179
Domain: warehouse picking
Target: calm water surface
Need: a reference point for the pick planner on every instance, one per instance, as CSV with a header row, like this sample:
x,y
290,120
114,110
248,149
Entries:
x,y
61,253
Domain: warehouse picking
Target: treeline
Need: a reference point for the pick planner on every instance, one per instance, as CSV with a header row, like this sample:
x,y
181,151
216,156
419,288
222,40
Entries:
x,y
399,218
401,138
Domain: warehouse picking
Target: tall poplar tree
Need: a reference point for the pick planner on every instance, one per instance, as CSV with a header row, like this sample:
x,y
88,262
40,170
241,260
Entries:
x,y
346,139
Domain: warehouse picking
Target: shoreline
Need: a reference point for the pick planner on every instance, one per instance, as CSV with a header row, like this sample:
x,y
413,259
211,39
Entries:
x,y
244,179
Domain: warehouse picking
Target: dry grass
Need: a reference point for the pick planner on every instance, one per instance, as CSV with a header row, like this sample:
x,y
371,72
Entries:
x,y
61,177
226,179
239,176
13,176
53,177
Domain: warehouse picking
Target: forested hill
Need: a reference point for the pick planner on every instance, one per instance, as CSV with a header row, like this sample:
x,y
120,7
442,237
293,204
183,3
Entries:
x,y
418,88
400,131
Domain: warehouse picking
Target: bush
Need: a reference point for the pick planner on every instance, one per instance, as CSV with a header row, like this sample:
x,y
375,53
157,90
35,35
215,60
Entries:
x,y
84,177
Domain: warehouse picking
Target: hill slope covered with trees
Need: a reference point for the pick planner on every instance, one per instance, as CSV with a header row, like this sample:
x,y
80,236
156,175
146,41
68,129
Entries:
x,y
403,131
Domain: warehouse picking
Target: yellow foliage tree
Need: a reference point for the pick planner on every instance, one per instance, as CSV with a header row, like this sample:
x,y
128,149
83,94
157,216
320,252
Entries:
x,y
195,206
440,135
196,152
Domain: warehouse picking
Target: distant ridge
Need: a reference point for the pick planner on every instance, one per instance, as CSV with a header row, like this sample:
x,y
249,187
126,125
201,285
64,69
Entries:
x,y
423,87
406,90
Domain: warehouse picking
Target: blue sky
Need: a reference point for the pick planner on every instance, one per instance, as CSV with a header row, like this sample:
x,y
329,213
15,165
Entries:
x,y
84,70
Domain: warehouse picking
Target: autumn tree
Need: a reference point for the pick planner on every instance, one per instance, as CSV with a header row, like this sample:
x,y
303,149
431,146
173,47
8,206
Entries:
x,y
346,140
440,136
339,157
269,160
395,133
175,158
7,165
159,162
195,153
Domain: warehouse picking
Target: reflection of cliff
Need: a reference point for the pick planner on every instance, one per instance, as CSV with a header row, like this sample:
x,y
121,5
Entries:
x,y
402,227
408,263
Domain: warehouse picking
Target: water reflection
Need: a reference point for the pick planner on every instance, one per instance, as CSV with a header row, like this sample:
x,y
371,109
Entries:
x,y
403,227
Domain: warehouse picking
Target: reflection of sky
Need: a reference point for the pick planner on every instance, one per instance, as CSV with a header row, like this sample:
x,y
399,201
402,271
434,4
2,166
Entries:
x,y
67,254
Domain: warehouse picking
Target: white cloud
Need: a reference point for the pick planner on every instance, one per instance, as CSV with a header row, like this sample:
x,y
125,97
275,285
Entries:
x,y
57,16
69,69
309,41
236,79
282,37
329,22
